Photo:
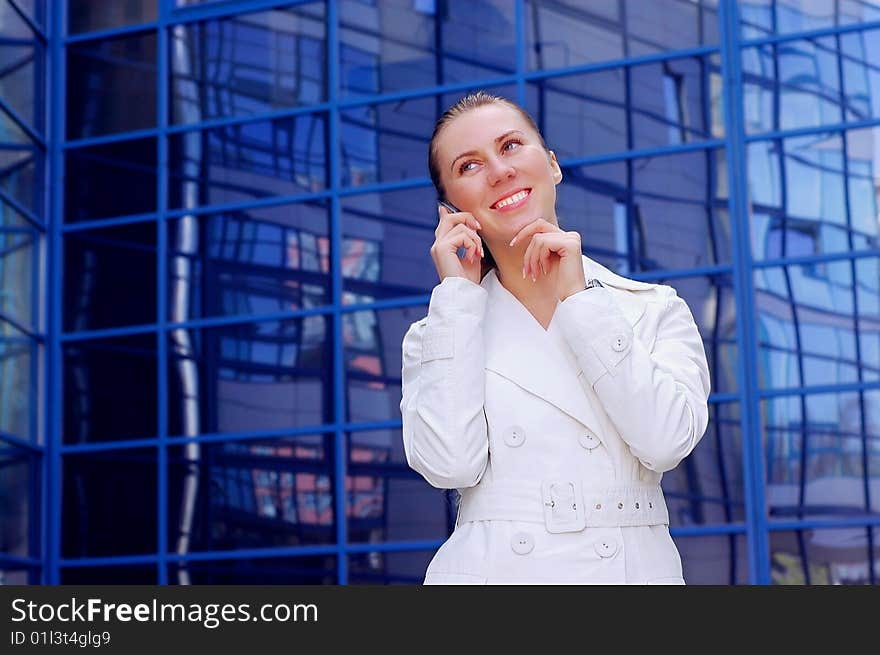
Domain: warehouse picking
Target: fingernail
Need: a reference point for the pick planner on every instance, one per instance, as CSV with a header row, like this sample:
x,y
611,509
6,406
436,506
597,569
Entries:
x,y
513,241
533,279
524,272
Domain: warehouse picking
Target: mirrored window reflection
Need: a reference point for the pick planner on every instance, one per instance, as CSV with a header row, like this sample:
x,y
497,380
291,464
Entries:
x,y
287,570
266,493
570,33
806,325
108,503
714,559
129,168
12,25
666,212
372,339
389,568
391,47
818,195
112,85
22,176
19,247
123,574
249,262
827,556
17,353
268,375
815,451
248,64
235,163
110,277
386,239
89,16
21,81
761,18
707,487
109,389
387,500
868,299
861,73
871,420
19,577
19,498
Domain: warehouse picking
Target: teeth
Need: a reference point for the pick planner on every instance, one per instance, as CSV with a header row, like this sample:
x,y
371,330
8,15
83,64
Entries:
x,y
516,197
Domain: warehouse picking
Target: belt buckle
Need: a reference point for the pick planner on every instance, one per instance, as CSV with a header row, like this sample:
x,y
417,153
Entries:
x,y
563,502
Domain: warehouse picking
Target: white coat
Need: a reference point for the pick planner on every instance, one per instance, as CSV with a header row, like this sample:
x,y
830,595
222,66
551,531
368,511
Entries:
x,y
557,439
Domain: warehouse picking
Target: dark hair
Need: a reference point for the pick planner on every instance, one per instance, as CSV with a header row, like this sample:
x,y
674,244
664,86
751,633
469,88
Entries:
x,y
464,105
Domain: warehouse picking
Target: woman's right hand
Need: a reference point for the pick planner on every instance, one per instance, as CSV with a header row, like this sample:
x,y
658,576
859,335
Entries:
x,y
454,231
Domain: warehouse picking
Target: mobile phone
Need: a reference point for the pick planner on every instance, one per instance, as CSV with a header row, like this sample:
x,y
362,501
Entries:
x,y
449,206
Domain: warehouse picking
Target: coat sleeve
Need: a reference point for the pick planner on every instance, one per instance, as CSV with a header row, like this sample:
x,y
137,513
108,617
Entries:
x,y
445,435
657,400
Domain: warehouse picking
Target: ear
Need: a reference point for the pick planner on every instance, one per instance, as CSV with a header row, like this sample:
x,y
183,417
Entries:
x,y
554,164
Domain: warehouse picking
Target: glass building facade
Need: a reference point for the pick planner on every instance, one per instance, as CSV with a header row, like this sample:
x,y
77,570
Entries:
x,y
216,219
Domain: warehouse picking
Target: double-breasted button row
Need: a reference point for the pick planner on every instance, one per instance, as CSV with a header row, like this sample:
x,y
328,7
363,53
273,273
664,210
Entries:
x,y
514,436
523,543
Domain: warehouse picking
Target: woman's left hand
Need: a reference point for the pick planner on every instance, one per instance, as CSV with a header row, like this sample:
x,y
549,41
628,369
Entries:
x,y
553,251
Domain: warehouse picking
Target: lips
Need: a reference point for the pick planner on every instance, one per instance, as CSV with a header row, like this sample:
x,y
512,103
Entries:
x,y
511,199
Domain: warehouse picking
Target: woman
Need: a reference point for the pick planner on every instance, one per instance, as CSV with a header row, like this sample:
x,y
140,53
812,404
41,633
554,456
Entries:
x,y
551,392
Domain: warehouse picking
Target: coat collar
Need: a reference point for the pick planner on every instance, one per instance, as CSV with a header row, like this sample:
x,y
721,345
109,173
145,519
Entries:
x,y
540,361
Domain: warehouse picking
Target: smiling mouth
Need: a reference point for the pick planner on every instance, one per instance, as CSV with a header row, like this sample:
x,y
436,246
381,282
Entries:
x,y
514,199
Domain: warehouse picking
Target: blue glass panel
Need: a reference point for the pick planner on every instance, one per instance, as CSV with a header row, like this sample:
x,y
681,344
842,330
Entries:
x,y
251,494
109,502
806,326
22,177
22,577
111,85
674,206
110,277
251,160
19,246
861,73
569,32
110,180
21,82
17,403
386,49
12,25
267,375
89,16
387,500
19,480
250,262
372,339
386,238
309,570
714,559
863,186
395,568
248,64
829,556
109,389
127,574
867,277
760,18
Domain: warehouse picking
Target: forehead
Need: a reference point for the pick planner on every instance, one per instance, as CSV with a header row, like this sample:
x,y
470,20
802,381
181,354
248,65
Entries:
x,y
478,128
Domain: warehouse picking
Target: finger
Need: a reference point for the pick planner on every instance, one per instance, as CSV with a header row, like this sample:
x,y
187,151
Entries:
x,y
538,225
545,260
449,220
528,270
537,245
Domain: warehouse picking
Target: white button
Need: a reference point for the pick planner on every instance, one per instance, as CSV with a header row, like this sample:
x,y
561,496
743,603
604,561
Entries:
x,y
606,547
515,436
522,543
619,342
589,440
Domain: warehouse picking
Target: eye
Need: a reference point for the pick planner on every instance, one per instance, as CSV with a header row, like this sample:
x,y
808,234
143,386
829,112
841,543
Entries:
x,y
511,144
465,167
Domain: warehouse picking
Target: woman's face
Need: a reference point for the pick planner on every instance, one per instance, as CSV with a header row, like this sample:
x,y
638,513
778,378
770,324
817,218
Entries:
x,y
492,164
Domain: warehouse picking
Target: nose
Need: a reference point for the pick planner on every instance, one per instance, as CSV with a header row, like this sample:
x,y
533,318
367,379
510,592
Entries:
x,y
499,170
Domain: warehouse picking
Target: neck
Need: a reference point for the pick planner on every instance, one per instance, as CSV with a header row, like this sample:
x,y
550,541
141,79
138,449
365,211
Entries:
x,y
509,263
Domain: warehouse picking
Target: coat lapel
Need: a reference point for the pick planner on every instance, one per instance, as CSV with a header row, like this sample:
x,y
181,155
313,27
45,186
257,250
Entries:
x,y
540,361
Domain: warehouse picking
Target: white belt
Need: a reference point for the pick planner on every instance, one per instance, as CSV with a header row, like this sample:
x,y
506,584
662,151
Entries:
x,y
564,505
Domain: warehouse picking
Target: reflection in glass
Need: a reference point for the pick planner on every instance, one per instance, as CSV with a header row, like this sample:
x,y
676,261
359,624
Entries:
x,y
267,375
22,577
245,161
384,49
126,574
21,80
868,298
19,246
386,241
290,570
250,262
829,556
248,64
386,568
108,503
89,16
806,325
16,363
19,500
22,176
109,389
672,211
861,74
760,18
110,277
129,168
714,559
111,85
569,33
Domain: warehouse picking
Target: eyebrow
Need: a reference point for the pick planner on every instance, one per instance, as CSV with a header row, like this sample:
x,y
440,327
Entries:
x,y
474,152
